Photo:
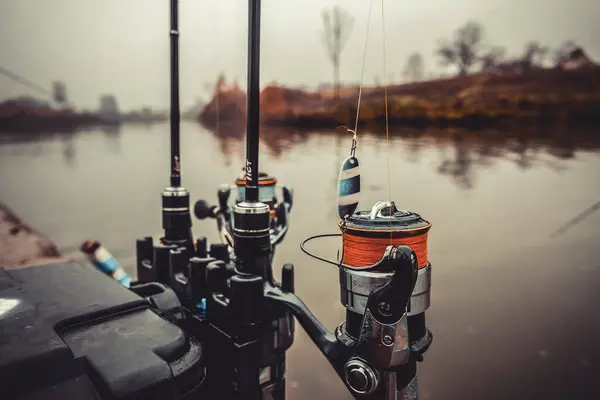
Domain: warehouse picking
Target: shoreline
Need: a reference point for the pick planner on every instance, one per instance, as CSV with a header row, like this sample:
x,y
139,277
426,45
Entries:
x,y
21,246
483,100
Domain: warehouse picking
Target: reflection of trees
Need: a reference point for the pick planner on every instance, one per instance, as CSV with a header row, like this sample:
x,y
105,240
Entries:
x,y
35,145
279,141
525,159
563,146
68,150
470,150
459,168
231,137
523,146
414,145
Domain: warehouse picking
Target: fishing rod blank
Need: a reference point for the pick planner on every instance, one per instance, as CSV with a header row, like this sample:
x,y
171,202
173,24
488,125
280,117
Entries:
x,y
177,222
175,148
253,101
252,243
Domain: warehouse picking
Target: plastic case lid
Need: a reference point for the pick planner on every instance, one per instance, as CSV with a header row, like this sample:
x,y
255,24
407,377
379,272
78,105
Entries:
x,y
67,331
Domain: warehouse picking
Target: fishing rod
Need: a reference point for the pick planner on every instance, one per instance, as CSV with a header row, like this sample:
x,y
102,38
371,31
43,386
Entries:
x,y
576,220
214,292
207,322
177,222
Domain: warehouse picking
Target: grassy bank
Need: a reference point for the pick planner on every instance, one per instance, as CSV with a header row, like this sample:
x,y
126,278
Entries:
x,y
539,97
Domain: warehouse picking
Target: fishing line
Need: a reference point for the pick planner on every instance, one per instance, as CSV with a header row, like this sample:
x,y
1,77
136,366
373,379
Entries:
x,y
324,235
217,62
360,250
362,74
349,177
387,133
360,247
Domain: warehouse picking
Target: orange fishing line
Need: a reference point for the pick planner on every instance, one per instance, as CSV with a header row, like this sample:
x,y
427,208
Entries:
x,y
361,251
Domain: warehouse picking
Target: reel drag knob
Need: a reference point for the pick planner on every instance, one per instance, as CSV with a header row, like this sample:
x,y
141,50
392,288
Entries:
x,y
361,378
202,210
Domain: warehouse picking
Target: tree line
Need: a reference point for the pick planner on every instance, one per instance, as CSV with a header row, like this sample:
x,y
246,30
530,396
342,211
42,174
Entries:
x,y
466,50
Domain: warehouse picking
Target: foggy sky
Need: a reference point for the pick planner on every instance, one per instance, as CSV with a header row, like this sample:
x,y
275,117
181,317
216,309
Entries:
x,y
122,46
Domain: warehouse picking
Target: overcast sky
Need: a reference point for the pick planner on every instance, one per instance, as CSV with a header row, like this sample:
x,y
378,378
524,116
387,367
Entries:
x,y
122,46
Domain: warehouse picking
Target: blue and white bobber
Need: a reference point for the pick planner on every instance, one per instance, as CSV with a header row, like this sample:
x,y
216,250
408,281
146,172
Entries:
x,y
348,187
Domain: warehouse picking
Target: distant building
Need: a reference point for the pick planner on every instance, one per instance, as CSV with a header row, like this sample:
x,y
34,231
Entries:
x,y
576,59
109,108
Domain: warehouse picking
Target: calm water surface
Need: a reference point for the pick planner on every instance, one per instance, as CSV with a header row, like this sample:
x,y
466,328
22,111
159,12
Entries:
x,y
514,311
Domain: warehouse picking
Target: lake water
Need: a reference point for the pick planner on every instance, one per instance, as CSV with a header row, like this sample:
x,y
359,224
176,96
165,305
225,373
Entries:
x,y
514,311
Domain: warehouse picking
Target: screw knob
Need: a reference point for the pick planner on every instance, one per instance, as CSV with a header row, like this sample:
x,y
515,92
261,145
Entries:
x,y
360,377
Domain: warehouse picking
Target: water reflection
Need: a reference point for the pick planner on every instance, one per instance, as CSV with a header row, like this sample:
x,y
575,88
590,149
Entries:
x,y
68,151
276,141
112,134
462,151
42,143
459,167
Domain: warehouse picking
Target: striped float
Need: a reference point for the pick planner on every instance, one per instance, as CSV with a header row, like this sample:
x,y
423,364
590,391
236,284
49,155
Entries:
x,y
348,187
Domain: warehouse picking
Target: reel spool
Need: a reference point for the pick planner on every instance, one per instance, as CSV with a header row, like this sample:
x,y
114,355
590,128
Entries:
x,y
266,191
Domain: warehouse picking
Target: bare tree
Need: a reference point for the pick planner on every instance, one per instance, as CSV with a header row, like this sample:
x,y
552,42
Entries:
x,y
534,55
59,92
563,52
414,69
337,27
492,58
464,49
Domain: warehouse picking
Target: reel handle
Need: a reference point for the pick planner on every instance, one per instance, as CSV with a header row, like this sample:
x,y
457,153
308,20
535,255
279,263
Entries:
x,y
384,341
223,195
288,196
203,210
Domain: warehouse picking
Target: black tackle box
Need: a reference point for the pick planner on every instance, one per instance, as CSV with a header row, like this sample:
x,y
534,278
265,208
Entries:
x,y
69,332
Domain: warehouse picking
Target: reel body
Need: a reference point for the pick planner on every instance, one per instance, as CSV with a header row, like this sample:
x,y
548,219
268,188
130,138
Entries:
x,y
368,236
385,280
279,209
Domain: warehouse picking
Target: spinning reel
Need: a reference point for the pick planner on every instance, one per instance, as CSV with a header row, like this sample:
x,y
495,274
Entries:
x,y
384,334
267,192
